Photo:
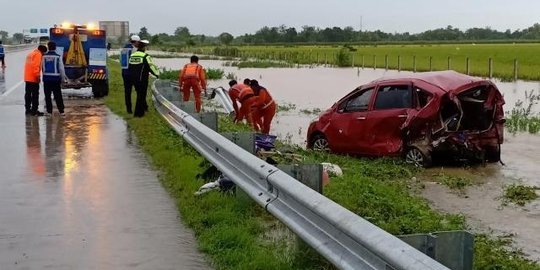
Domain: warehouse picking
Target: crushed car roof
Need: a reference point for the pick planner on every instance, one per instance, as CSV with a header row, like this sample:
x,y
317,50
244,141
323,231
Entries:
x,y
448,80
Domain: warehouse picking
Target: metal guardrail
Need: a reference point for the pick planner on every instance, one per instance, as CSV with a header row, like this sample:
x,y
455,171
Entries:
x,y
21,47
345,239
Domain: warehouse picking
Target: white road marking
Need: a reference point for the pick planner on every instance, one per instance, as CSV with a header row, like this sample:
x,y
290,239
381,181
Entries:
x,y
11,89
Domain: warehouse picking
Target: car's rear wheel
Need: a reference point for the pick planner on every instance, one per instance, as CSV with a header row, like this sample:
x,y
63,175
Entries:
x,y
493,154
417,157
320,143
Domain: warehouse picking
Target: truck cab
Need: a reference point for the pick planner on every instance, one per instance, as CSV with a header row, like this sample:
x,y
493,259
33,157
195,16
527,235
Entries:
x,y
84,53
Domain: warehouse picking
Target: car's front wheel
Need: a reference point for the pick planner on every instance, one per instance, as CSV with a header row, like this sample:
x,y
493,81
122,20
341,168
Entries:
x,y
320,143
417,157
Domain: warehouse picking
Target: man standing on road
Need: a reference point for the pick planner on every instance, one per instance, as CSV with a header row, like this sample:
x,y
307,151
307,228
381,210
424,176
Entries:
x,y
126,52
2,55
192,76
32,74
140,67
53,75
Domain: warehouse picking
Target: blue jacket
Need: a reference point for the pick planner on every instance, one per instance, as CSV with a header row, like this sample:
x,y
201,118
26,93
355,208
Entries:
x,y
52,67
125,53
1,50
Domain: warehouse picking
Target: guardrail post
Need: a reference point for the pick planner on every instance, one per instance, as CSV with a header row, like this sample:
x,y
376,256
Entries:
x,y
490,68
310,175
363,61
374,61
386,61
399,63
352,60
246,140
431,63
515,69
454,249
449,61
467,66
414,63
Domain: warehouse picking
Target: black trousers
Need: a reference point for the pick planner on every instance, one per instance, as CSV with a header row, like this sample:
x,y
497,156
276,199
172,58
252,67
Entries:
x,y
140,105
31,97
128,85
53,87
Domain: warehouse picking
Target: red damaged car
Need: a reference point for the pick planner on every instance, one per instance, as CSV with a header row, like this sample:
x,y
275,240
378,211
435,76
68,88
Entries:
x,y
416,116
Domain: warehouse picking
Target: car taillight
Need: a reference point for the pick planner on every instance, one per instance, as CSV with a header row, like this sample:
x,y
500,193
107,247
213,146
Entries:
x,y
58,31
100,71
97,33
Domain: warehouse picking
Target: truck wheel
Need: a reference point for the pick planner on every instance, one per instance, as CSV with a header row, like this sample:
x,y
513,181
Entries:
x,y
100,89
416,157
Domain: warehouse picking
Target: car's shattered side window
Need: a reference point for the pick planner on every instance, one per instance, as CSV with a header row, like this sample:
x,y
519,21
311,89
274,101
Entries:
x,y
393,97
358,103
422,98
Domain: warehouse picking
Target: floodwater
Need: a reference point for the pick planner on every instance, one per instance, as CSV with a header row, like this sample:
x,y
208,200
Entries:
x,y
78,193
319,87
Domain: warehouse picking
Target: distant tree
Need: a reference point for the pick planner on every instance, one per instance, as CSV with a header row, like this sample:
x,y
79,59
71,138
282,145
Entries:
x,y
3,35
143,33
18,37
190,42
225,38
182,33
155,40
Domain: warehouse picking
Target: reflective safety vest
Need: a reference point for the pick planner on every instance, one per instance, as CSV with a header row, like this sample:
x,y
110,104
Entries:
x,y
191,70
1,50
52,67
140,65
125,53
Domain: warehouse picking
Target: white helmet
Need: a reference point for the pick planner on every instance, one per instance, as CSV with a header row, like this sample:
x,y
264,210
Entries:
x,y
145,41
135,38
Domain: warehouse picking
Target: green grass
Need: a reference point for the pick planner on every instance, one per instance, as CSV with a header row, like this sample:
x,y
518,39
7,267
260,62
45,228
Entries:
x,y
519,194
522,118
172,74
381,56
239,235
229,231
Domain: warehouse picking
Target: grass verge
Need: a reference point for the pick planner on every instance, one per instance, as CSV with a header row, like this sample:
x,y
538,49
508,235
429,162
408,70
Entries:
x,y
239,235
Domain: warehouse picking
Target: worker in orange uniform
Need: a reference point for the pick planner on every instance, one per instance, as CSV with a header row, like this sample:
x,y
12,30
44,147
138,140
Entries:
x,y
32,74
234,94
265,106
192,76
247,100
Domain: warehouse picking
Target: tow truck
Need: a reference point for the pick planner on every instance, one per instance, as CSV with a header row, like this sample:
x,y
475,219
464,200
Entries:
x,y
84,52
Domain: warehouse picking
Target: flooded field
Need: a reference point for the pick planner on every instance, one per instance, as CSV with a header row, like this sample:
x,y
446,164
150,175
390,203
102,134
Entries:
x,y
303,90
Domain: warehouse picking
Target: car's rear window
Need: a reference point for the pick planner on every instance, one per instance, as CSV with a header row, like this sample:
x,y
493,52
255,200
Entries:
x,y
393,97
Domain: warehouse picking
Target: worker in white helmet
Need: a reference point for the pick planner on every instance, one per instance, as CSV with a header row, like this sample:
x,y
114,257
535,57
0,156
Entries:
x,y
126,52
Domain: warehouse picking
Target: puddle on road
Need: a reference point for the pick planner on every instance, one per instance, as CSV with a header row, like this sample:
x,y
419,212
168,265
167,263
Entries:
x,y
320,87
77,185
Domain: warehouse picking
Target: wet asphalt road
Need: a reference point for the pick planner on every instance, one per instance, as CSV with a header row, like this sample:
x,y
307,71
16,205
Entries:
x,y
77,193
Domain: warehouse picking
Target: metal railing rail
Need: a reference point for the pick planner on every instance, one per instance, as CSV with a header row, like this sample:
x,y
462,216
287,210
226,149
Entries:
x,y
19,47
345,239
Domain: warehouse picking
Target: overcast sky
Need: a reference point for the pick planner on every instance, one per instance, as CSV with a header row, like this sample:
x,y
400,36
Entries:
x,y
212,17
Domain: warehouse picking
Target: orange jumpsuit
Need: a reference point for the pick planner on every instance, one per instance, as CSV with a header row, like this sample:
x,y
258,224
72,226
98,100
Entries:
x,y
234,94
248,101
192,76
265,109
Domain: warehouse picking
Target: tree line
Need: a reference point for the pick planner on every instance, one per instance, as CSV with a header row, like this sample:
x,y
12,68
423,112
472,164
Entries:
x,y
312,34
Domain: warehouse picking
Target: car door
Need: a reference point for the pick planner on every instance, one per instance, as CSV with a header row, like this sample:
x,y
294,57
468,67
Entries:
x,y
392,104
346,128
